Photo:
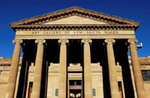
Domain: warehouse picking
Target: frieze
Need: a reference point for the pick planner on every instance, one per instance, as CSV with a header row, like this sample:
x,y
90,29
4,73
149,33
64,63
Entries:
x,y
72,32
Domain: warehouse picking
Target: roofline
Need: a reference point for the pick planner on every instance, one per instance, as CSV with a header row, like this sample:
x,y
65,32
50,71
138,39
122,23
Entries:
x,y
75,7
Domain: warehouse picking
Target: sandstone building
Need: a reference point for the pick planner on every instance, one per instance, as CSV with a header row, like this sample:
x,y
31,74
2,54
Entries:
x,y
75,53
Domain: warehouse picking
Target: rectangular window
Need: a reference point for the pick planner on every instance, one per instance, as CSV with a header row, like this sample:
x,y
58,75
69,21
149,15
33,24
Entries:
x,y
120,85
120,89
94,92
30,89
56,92
146,75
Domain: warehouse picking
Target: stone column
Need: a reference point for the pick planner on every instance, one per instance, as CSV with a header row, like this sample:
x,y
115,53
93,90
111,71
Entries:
x,y
14,69
62,68
68,89
87,69
137,70
38,69
112,69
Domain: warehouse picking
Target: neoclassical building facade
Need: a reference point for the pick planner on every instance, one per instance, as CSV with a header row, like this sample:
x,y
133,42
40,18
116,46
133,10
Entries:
x,y
75,53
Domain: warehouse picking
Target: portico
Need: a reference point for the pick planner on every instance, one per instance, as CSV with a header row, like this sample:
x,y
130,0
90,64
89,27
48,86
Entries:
x,y
75,53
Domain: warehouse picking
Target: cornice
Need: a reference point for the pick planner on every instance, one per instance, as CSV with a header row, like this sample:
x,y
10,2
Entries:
x,y
75,27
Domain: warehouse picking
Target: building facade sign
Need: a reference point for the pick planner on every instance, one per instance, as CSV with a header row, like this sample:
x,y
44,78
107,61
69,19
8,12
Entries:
x,y
83,32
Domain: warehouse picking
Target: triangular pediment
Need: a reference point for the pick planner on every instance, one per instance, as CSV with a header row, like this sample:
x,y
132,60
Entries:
x,y
75,20
72,16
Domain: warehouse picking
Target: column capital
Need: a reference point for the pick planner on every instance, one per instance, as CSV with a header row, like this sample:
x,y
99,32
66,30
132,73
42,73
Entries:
x,y
63,41
86,41
17,41
132,40
109,40
40,41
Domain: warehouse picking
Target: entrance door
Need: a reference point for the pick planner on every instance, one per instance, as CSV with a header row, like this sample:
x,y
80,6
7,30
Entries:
x,y
75,93
75,89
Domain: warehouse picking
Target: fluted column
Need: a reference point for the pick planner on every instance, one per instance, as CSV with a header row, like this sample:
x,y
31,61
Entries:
x,y
62,68
112,69
87,69
137,70
14,69
38,69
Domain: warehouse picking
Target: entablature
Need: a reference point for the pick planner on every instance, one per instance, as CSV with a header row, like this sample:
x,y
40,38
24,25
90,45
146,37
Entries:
x,y
75,34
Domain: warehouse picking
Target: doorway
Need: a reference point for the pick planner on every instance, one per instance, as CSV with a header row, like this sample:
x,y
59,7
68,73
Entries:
x,y
75,93
75,89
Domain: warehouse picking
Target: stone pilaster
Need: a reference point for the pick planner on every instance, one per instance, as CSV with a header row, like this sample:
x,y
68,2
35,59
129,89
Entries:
x,y
137,70
62,68
14,69
87,69
112,69
38,69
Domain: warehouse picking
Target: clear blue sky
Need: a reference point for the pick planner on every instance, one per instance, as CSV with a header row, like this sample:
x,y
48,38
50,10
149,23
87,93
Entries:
x,y
15,10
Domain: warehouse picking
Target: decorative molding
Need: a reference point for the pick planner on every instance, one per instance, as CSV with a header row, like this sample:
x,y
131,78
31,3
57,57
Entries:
x,y
133,40
17,41
110,41
74,27
40,41
63,41
86,41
